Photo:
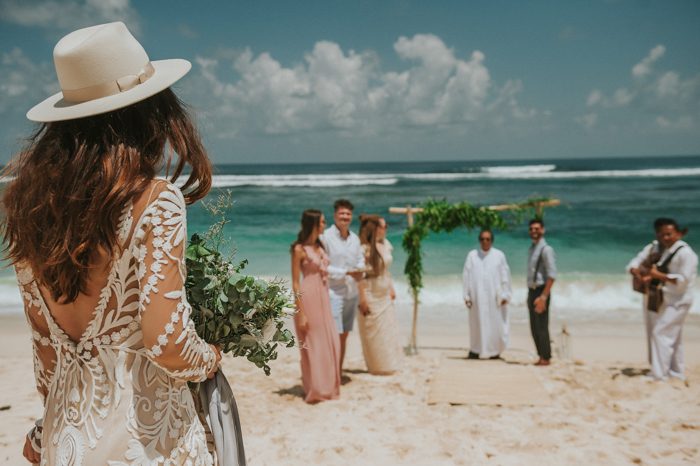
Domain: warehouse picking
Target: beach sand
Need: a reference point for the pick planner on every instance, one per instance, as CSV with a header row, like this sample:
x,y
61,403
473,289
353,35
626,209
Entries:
x,y
600,411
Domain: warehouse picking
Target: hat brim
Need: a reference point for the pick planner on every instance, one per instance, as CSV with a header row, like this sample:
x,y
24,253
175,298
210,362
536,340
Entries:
x,y
55,108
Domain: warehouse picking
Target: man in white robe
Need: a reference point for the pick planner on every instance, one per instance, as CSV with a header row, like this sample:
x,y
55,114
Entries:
x,y
677,271
487,291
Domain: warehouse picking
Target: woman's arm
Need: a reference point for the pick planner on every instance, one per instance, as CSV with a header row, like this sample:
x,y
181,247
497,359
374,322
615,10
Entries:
x,y
168,333
43,352
298,256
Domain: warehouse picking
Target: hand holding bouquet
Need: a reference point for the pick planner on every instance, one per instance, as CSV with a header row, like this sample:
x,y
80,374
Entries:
x,y
242,314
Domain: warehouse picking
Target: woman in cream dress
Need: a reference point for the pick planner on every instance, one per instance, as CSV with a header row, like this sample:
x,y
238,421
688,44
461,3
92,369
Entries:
x,y
98,243
379,328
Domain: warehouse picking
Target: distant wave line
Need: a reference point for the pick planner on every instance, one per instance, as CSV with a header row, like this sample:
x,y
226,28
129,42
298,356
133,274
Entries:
x,y
533,172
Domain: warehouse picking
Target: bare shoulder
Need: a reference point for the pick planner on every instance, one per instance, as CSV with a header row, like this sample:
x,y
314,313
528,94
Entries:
x,y
299,252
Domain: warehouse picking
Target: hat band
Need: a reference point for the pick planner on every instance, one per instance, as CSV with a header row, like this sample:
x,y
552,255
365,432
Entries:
x,y
111,87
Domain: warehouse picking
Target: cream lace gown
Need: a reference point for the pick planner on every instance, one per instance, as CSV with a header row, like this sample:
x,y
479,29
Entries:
x,y
379,330
118,395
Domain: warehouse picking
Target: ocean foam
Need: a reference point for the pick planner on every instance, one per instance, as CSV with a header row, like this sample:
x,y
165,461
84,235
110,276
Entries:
x,y
524,172
577,298
307,180
582,297
507,170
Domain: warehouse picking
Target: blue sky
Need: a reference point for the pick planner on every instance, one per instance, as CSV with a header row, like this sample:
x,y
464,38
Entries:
x,y
339,81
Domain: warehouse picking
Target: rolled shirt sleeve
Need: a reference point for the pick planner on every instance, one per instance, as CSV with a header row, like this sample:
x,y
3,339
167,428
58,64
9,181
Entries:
x,y
549,263
639,258
683,271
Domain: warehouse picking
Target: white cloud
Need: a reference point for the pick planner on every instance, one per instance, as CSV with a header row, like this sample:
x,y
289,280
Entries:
x,y
68,14
644,67
588,120
594,97
24,83
683,122
622,97
187,31
349,92
668,84
663,99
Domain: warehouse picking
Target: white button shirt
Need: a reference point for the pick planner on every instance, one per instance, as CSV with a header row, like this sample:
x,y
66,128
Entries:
x,y
344,254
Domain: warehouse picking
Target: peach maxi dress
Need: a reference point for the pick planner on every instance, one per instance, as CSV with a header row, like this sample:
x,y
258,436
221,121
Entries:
x,y
320,343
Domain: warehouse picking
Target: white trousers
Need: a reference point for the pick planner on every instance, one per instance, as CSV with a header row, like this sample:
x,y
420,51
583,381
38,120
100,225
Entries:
x,y
646,315
666,341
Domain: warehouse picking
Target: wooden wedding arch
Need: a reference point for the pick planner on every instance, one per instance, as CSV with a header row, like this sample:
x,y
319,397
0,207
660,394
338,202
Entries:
x,y
440,216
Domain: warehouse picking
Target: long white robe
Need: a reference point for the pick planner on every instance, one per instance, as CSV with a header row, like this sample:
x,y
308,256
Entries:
x,y
667,324
486,283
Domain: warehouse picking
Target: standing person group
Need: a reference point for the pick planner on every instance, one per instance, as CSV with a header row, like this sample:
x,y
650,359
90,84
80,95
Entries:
x,y
667,268
487,291
335,272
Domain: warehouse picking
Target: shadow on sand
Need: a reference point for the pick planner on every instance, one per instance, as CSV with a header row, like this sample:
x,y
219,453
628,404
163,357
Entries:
x,y
297,391
629,372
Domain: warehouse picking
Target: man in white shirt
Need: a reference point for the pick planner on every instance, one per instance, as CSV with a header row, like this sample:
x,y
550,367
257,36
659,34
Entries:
x,y
487,290
347,262
676,272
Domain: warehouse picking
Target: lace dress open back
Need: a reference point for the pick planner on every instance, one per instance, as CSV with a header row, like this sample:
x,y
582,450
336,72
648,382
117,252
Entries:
x,y
119,395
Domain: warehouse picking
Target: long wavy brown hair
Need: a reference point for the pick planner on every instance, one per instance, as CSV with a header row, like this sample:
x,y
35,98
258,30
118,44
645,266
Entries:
x,y
368,236
310,220
72,181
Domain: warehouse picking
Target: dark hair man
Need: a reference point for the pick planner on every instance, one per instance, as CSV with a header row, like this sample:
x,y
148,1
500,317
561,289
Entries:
x,y
541,273
640,267
347,262
673,275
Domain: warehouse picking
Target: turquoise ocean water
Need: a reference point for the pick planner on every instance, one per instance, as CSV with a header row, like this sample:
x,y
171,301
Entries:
x,y
607,209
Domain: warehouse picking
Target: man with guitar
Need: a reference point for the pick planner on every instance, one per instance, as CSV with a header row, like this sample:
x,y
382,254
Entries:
x,y
669,299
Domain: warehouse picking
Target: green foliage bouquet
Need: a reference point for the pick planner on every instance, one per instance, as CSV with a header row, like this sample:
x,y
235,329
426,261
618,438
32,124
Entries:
x,y
242,314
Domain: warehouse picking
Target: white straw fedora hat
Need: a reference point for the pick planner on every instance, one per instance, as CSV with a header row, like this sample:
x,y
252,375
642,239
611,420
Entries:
x,y
104,68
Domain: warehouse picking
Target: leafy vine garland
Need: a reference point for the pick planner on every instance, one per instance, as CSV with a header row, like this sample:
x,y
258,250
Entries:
x,y
441,216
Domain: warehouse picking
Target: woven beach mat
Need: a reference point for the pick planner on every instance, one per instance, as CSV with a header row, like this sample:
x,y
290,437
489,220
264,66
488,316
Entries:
x,y
464,381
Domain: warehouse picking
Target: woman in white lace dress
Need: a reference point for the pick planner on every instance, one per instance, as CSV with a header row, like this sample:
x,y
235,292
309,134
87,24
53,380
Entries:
x,y
98,245
377,320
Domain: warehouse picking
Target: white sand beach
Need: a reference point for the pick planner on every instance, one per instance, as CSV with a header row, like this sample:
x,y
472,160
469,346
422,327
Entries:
x,y
597,408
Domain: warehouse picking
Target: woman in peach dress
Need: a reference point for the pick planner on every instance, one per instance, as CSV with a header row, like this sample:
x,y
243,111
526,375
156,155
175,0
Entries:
x,y
319,342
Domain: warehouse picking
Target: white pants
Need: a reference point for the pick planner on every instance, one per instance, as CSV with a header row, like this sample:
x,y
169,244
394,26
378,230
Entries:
x,y
666,341
646,315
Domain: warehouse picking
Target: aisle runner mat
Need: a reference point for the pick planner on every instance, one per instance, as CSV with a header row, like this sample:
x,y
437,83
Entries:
x,y
467,381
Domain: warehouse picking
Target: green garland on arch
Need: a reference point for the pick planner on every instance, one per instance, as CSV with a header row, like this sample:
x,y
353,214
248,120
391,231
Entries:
x,y
441,216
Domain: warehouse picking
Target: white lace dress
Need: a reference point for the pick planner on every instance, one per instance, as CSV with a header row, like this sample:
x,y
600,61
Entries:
x,y
119,395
